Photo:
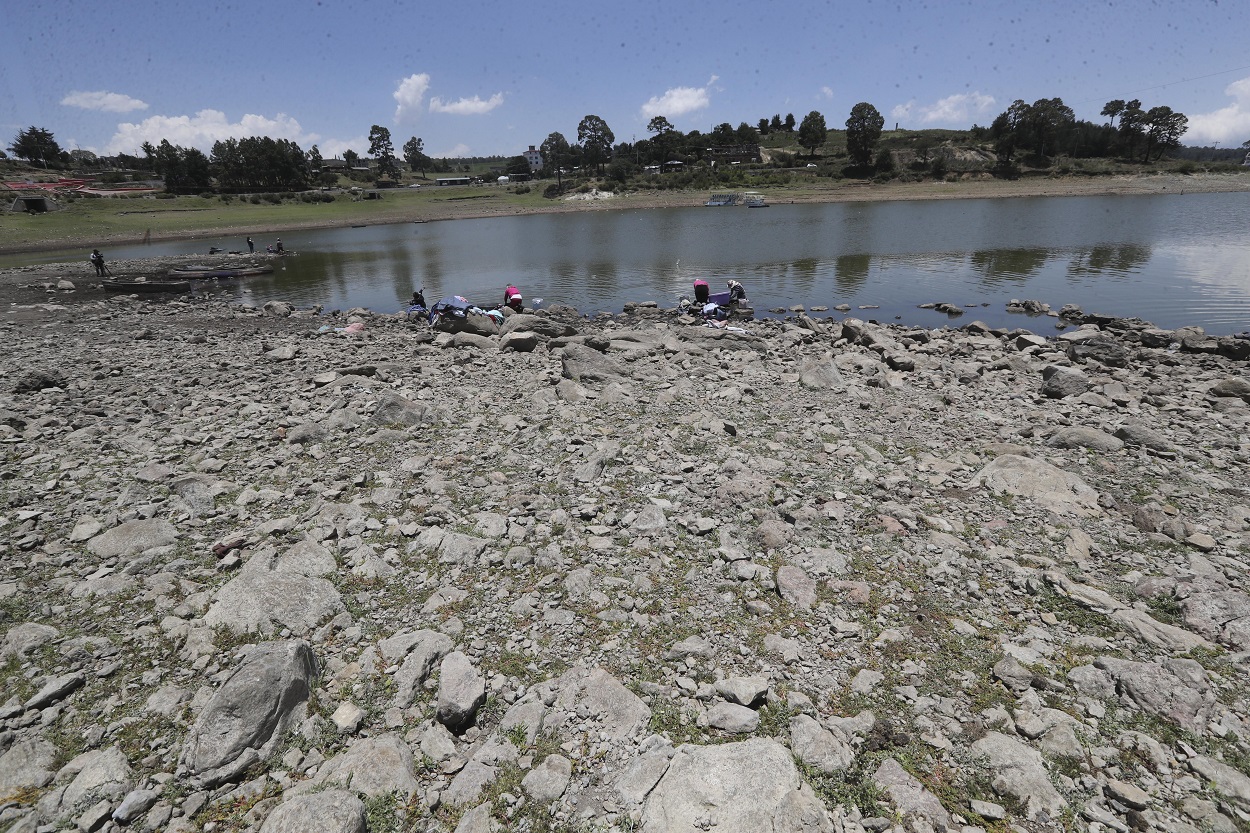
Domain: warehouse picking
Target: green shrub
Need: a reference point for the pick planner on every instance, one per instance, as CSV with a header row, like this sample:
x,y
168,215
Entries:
x,y
522,189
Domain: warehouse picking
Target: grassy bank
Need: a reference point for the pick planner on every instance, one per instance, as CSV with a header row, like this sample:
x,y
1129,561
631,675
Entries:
x,y
86,223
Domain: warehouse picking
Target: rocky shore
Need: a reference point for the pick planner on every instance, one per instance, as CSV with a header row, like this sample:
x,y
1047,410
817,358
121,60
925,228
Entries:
x,y
621,574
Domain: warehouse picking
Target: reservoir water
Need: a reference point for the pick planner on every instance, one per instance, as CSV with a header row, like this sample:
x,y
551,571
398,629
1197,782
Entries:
x,y
1173,259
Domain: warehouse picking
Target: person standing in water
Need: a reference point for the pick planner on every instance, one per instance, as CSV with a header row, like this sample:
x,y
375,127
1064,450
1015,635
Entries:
x,y
251,247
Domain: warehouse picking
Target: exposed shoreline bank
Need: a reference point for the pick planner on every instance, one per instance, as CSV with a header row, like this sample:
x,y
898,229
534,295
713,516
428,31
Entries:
x,y
831,192
611,561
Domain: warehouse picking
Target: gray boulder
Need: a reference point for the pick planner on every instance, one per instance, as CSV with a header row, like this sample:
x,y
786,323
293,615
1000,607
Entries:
x,y
27,765
1222,615
910,797
744,787
23,638
817,746
394,409
1237,386
132,538
98,774
582,364
615,712
1176,689
373,766
548,781
1051,487
537,325
821,374
247,717
461,692
1017,772
1136,433
332,811
271,592
1061,382
1081,436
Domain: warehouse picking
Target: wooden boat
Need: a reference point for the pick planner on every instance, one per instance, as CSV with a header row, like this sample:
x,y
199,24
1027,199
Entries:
x,y
754,199
195,273
146,286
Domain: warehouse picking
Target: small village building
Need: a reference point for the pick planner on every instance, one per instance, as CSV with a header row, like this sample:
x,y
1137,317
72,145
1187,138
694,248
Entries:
x,y
35,205
534,158
452,180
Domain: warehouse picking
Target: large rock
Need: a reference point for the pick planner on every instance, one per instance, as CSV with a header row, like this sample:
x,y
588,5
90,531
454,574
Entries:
x,y
394,409
1051,487
548,781
1228,782
537,324
821,374
1136,433
613,710
27,765
461,692
1222,615
420,651
1176,689
746,787
1081,436
819,747
374,766
98,774
271,593
132,538
910,797
1018,772
332,811
1062,382
23,638
247,717
583,364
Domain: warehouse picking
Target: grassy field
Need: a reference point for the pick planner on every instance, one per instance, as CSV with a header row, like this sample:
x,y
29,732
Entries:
x,y
88,222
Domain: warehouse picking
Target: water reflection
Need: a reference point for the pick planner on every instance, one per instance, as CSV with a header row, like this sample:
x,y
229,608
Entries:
x,y
851,271
1109,261
1169,259
999,266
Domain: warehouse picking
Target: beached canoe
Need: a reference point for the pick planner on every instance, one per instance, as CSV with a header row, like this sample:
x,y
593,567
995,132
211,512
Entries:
x,y
147,286
193,273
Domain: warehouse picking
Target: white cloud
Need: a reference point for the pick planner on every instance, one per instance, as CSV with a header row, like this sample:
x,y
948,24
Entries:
x,y
678,101
104,101
954,110
1229,125
466,106
409,95
203,129
458,152
826,92
333,148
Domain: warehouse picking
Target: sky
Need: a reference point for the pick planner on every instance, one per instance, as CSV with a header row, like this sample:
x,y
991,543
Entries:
x,y
491,78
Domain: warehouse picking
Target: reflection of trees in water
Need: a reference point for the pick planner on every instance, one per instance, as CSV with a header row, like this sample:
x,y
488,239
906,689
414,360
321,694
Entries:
x,y
851,271
805,273
1110,261
433,272
999,266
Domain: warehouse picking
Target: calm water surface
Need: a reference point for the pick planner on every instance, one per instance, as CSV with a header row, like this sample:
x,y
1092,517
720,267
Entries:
x,y
1171,259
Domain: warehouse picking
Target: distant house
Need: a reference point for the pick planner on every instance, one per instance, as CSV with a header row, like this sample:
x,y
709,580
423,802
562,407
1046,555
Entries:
x,y
734,153
534,158
452,180
335,164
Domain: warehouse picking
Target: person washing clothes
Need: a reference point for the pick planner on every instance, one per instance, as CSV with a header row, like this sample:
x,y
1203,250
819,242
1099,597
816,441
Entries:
x,y
701,291
512,298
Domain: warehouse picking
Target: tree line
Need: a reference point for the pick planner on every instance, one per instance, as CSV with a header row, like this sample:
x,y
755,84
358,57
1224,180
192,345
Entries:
x,y
1046,128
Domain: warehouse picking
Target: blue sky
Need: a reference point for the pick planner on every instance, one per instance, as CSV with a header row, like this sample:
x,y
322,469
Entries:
x,y
483,78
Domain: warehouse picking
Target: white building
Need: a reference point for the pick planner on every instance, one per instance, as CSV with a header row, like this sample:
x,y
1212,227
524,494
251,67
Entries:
x,y
534,158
